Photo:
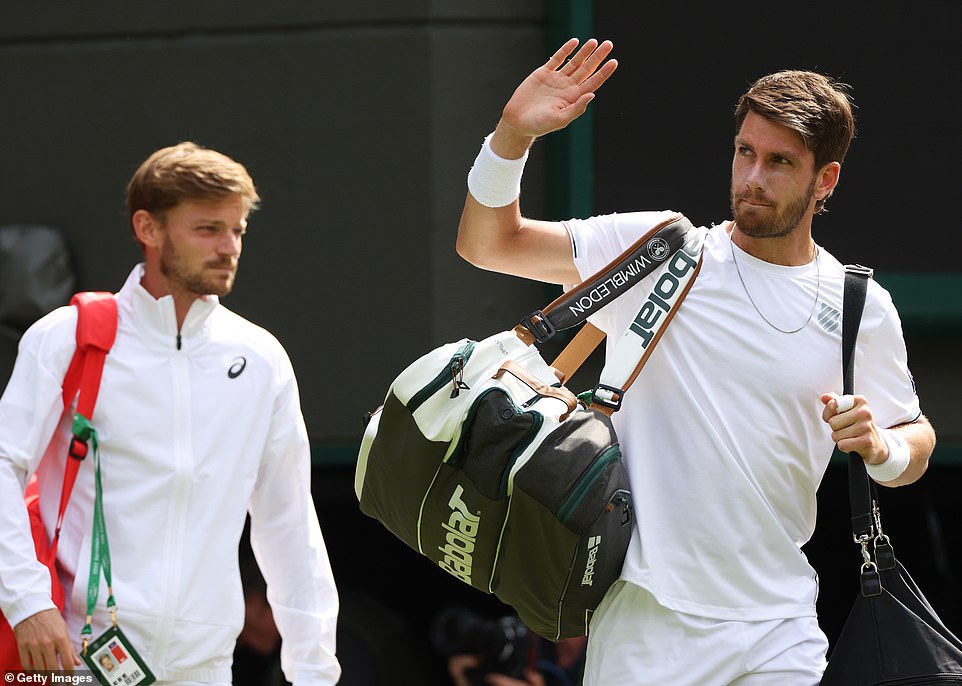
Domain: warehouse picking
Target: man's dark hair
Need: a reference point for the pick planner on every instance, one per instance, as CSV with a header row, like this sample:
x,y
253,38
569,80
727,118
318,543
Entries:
x,y
818,108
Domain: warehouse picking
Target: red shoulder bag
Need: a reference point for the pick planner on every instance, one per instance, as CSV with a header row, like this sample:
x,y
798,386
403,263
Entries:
x,y
96,331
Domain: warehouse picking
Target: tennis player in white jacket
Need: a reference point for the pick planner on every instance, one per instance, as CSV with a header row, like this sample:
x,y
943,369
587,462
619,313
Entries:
x,y
199,423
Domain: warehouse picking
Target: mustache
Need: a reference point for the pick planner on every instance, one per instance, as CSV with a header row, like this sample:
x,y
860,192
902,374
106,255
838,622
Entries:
x,y
755,198
226,263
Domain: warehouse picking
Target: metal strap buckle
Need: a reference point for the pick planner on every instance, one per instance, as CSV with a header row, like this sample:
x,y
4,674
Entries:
x,y
607,396
859,269
539,326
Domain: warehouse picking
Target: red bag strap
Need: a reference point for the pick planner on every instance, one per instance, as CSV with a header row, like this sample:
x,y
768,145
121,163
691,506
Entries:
x,y
96,332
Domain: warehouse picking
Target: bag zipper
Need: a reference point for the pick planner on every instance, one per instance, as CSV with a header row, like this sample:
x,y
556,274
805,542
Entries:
x,y
522,445
577,494
451,374
456,458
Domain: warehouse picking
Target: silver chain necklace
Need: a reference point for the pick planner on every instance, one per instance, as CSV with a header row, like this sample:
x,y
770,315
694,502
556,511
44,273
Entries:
x,y
818,288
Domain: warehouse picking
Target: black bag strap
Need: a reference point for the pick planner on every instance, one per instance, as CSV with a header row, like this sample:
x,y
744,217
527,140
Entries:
x,y
860,487
862,495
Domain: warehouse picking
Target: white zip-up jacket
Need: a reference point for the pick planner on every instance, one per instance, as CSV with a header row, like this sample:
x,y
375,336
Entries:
x,y
196,429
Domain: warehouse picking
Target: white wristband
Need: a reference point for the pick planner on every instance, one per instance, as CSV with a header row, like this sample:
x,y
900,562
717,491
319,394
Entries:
x,y
898,459
495,181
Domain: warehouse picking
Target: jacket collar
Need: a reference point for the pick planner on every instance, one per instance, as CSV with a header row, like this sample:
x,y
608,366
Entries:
x,y
156,318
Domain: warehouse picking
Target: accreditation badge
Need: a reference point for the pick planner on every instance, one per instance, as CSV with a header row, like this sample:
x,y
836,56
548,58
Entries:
x,y
115,662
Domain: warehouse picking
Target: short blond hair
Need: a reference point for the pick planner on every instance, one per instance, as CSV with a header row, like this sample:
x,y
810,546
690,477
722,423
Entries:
x,y
187,171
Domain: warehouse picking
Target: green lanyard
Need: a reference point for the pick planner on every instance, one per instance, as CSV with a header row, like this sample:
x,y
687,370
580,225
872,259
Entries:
x,y
99,546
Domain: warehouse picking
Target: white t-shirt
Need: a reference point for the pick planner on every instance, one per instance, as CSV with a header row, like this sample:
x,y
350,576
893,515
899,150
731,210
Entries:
x,y
722,431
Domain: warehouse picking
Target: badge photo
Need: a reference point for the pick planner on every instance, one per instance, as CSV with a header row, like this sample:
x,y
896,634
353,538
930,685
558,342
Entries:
x,y
115,662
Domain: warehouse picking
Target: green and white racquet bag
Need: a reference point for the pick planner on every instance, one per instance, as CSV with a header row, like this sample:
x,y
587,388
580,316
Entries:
x,y
481,460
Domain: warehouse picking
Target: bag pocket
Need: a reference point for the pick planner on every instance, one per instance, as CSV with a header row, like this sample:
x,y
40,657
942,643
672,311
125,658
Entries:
x,y
598,559
470,490
460,527
568,527
573,467
534,566
449,376
401,465
496,432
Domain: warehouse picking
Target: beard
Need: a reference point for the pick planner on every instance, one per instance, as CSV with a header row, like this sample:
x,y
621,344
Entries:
x,y
786,219
175,269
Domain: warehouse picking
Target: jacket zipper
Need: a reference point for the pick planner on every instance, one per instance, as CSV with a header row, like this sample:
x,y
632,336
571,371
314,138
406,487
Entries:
x,y
577,494
451,374
177,525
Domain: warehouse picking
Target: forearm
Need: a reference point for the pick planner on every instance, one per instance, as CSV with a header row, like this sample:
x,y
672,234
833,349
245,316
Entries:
x,y
491,218
919,439
302,593
24,582
493,235
289,548
485,234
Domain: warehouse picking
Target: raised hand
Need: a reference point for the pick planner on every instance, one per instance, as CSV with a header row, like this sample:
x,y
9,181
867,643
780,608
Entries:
x,y
553,95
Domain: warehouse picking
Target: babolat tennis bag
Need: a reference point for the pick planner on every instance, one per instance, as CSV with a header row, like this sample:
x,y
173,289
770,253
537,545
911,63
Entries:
x,y
481,460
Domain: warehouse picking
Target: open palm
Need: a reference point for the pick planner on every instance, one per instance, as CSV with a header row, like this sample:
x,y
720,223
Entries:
x,y
558,92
